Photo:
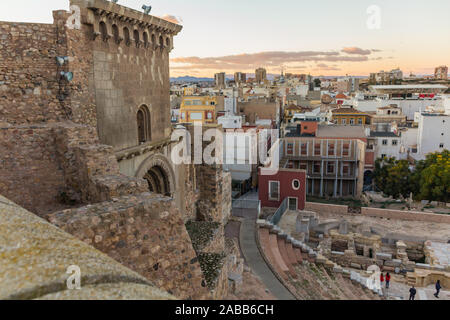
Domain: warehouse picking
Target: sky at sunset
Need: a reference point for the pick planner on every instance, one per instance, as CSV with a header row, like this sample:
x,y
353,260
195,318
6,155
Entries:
x,y
321,37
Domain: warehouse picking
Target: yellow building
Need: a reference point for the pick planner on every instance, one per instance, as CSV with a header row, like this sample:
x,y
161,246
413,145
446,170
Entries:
x,y
198,109
349,116
189,91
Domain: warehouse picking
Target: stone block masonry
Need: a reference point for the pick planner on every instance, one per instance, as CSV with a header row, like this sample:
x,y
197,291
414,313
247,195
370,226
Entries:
x,y
145,233
63,164
28,74
30,174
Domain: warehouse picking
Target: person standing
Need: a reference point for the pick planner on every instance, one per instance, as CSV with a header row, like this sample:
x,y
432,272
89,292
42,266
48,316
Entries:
x,y
438,288
381,280
388,280
412,293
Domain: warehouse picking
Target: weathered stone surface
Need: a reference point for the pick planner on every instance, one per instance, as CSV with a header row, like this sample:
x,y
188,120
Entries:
x,y
135,232
384,256
35,257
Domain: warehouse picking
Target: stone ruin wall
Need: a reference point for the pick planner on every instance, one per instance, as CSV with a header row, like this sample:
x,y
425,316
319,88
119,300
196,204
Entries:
x,y
30,174
145,233
28,79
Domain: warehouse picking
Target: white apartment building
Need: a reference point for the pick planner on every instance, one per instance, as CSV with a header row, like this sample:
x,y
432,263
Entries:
x,y
433,134
409,98
386,144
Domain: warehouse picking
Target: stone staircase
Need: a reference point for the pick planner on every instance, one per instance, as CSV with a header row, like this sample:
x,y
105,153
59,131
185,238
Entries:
x,y
304,272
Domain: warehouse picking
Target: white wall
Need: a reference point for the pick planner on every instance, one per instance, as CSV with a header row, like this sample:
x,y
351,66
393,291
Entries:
x,y
389,150
409,107
237,153
433,130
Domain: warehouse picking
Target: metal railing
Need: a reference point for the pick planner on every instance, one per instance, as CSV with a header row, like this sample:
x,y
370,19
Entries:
x,y
247,204
280,211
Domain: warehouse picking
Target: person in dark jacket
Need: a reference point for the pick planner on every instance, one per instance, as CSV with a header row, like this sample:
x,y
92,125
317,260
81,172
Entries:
x,y
412,293
388,280
438,288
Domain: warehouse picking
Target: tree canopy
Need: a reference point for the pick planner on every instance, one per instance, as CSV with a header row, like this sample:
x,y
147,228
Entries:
x,y
429,180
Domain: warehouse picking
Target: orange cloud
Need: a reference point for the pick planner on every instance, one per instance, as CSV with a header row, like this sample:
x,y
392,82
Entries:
x,y
356,50
268,59
173,19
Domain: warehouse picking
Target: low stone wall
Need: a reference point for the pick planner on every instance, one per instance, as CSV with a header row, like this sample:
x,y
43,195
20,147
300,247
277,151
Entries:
x,y
145,233
36,255
326,208
405,215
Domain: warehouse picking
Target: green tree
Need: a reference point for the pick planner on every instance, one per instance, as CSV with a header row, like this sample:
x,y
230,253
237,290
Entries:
x,y
398,179
317,83
432,177
380,173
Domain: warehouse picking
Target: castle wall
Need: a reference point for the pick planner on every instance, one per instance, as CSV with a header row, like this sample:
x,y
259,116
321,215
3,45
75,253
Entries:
x,y
28,74
145,233
29,171
123,73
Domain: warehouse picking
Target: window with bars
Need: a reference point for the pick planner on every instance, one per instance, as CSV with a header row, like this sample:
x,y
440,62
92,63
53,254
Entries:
x,y
331,149
316,167
346,149
290,149
303,166
317,149
330,168
346,169
304,149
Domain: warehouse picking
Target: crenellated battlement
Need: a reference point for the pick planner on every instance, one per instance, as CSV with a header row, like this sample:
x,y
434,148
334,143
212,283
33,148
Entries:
x,y
126,26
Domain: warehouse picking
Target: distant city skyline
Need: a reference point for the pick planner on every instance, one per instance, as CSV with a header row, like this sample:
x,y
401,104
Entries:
x,y
328,37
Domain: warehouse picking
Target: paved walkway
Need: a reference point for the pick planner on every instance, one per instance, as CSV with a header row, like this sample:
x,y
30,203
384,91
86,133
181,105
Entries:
x,y
256,262
401,291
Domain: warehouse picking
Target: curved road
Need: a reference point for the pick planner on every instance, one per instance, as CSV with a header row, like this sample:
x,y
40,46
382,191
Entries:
x,y
257,263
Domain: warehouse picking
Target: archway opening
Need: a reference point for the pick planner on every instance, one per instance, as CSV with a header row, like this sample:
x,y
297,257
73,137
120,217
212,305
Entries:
x,y
126,36
103,31
115,31
144,124
158,181
137,39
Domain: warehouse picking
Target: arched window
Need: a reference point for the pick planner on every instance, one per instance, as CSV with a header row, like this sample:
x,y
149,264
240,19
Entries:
x,y
144,124
136,38
145,35
161,42
115,31
168,43
126,36
103,31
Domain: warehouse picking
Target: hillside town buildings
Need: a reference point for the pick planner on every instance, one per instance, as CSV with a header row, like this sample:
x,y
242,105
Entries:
x,y
441,73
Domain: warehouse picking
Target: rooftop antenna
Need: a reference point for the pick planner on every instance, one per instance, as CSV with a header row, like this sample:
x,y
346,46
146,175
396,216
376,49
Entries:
x,y
147,9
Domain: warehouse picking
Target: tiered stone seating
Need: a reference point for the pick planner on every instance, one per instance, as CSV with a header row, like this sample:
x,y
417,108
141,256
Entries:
x,y
291,254
285,256
264,240
273,240
298,255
